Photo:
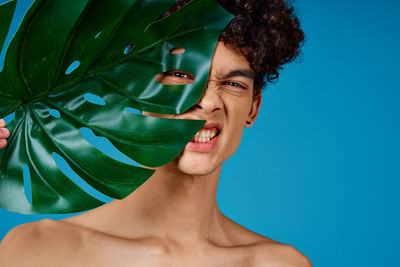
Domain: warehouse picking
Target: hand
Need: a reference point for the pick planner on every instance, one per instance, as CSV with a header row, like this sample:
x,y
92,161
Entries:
x,y
4,134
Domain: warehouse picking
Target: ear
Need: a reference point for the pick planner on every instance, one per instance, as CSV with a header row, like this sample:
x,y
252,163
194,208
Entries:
x,y
255,107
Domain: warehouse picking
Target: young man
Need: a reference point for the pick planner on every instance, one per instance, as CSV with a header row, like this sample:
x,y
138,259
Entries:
x,y
173,219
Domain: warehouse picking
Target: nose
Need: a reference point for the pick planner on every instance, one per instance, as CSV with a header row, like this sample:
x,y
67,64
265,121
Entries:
x,y
210,100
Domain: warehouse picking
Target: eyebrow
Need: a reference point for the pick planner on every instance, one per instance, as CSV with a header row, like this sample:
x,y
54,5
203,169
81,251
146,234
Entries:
x,y
240,72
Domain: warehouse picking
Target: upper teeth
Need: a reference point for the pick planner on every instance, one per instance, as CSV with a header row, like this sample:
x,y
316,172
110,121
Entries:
x,y
205,135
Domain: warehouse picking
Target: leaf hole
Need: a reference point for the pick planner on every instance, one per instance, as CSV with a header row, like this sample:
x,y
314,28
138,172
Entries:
x,y
97,35
9,117
71,174
94,99
175,77
105,146
177,50
129,48
27,183
134,111
173,9
74,65
55,113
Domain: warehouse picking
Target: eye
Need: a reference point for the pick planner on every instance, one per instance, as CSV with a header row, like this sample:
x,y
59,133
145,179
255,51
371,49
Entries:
x,y
178,74
235,84
175,77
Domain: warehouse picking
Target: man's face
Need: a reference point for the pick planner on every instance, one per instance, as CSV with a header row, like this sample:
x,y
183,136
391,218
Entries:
x,y
227,105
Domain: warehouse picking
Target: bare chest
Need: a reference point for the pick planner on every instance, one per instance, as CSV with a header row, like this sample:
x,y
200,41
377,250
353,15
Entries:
x,y
124,254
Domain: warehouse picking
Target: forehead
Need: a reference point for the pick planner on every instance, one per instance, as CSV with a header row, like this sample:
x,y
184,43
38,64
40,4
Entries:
x,y
226,59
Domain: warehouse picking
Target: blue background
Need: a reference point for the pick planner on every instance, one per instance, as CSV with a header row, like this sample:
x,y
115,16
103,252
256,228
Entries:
x,y
320,167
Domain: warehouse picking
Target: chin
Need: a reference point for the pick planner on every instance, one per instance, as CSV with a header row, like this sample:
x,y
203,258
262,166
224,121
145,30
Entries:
x,y
195,163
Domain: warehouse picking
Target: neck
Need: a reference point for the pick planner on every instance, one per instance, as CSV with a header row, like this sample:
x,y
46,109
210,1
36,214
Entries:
x,y
174,205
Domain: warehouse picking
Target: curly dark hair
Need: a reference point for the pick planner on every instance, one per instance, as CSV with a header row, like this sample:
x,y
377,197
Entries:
x,y
266,32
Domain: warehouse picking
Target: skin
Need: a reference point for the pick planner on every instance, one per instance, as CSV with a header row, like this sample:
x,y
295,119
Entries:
x,y
4,134
173,219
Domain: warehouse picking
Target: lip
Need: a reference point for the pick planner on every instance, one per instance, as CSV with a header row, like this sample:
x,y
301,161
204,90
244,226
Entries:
x,y
202,147
210,125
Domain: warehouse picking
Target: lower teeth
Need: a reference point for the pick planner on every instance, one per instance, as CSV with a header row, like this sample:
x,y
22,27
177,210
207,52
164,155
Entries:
x,y
201,141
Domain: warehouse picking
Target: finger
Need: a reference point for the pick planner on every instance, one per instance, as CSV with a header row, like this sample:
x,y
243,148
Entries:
x,y
2,123
3,143
4,133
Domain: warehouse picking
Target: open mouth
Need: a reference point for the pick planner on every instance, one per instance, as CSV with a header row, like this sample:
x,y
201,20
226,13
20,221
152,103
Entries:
x,y
205,135
206,138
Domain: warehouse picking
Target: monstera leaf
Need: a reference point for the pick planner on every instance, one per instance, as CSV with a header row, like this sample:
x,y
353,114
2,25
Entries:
x,y
65,50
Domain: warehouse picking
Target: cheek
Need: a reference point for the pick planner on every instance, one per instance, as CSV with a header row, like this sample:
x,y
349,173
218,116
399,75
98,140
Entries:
x,y
233,142
237,111
236,119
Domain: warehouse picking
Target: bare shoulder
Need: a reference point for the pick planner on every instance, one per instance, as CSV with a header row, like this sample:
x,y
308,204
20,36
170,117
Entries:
x,y
264,251
277,254
39,241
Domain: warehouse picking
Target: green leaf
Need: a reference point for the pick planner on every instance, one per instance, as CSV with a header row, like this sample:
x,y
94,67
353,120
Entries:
x,y
6,13
66,49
